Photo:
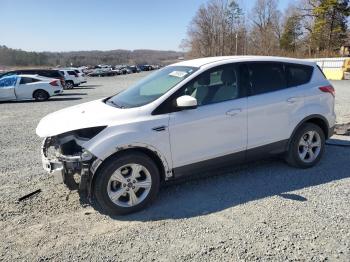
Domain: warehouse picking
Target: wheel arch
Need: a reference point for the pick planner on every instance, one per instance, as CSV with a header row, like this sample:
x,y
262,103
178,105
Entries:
x,y
158,159
318,120
39,89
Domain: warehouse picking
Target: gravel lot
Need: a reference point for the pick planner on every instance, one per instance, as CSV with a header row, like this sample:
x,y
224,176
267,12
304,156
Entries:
x,y
262,211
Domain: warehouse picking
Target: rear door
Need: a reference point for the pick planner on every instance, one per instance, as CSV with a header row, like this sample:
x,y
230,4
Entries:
x,y
273,105
7,88
26,87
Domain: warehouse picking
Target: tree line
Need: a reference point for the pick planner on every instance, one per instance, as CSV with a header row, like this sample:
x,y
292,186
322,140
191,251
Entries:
x,y
16,57
308,28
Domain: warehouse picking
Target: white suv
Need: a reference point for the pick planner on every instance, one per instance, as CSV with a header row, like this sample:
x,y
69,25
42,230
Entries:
x,y
80,73
71,77
187,118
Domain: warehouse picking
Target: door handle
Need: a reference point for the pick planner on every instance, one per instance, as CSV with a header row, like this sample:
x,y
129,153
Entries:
x,y
293,100
159,128
233,112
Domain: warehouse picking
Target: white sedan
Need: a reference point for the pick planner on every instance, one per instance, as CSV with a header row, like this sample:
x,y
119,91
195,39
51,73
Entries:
x,y
27,87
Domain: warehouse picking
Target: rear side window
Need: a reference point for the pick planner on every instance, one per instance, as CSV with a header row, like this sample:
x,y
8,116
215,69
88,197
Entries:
x,y
72,73
298,74
28,80
266,77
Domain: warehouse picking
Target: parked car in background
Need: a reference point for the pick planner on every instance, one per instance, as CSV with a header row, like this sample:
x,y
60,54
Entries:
x,y
116,71
41,72
145,67
27,87
125,70
134,69
81,74
71,78
103,72
188,118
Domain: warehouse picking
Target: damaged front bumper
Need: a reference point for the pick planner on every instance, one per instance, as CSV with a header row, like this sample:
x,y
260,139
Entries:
x,y
73,170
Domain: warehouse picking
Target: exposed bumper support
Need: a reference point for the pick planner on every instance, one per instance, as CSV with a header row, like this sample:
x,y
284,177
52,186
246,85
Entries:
x,y
64,167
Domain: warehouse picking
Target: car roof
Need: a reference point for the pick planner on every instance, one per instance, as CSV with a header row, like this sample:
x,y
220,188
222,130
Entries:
x,y
207,61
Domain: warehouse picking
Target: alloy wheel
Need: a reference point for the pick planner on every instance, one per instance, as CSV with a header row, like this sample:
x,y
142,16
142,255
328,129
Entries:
x,y
129,185
309,146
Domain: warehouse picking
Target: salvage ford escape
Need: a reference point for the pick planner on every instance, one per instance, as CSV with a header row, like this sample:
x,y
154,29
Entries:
x,y
186,118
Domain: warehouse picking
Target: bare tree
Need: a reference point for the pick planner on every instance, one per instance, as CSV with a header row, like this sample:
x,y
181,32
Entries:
x,y
266,28
215,29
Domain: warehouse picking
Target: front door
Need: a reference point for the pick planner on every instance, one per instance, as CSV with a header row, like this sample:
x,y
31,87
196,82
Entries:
x,y
7,88
215,132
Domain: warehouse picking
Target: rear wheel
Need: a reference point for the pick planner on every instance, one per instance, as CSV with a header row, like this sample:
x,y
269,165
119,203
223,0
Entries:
x,y
306,147
41,95
126,184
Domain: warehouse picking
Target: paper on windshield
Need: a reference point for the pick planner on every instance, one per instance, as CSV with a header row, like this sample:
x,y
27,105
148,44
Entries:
x,y
178,74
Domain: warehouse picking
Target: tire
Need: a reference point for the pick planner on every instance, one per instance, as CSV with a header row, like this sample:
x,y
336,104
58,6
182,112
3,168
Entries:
x,y
41,95
69,84
306,147
123,187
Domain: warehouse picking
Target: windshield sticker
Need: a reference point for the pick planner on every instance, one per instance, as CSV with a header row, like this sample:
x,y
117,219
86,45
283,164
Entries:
x,y
178,74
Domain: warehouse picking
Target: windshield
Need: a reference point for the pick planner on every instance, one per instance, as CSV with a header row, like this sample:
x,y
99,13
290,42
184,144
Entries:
x,y
151,87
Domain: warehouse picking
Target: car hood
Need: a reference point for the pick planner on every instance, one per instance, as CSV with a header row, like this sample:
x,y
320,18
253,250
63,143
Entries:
x,y
91,114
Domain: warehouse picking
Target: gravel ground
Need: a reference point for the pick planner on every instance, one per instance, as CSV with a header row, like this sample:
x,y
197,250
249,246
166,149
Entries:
x,y
262,211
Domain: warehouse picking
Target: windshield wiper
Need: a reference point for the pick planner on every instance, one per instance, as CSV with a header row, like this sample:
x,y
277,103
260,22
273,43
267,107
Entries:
x,y
115,104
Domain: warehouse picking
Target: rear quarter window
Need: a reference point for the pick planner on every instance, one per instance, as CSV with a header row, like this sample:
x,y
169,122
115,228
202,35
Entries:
x,y
298,74
28,80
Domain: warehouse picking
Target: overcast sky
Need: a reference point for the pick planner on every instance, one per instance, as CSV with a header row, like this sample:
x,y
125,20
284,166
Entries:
x,y
67,25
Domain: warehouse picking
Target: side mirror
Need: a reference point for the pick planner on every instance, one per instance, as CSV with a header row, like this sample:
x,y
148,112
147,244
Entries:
x,y
186,102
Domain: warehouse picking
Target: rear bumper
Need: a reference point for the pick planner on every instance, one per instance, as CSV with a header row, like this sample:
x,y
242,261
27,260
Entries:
x,y
57,92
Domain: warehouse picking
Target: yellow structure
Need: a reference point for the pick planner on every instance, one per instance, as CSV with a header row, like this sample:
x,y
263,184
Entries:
x,y
334,73
333,68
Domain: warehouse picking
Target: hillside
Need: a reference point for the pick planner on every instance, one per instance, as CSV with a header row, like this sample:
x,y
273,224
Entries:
x,y
17,57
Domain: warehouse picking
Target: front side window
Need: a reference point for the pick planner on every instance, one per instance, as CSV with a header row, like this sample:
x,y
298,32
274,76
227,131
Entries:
x,y
152,87
266,77
215,85
8,81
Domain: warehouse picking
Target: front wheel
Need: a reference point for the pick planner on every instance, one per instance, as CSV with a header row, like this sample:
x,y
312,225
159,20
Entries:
x,y
306,147
126,184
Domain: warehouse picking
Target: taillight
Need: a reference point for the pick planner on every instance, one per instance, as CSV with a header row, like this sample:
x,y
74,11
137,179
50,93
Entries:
x,y
328,89
54,83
